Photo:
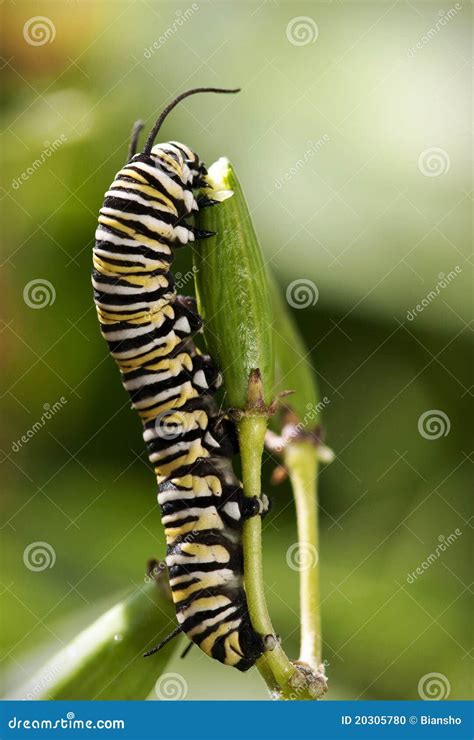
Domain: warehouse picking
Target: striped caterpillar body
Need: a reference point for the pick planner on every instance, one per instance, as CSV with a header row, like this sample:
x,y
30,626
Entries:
x,y
149,331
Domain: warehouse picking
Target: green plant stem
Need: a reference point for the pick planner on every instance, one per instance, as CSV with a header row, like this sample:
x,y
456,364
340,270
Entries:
x,y
301,461
274,665
286,680
251,431
105,661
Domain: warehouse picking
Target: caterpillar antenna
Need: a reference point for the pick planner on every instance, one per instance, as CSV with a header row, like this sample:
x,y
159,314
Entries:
x,y
186,650
151,138
164,642
136,129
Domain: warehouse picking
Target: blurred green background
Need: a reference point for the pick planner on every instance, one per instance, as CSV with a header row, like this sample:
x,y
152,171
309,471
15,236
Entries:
x,y
332,138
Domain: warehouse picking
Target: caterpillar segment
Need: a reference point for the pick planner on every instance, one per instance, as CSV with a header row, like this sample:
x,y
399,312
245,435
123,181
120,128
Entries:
x,y
149,330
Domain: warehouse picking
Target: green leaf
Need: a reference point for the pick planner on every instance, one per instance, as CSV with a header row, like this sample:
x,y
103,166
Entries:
x,y
232,290
293,367
106,661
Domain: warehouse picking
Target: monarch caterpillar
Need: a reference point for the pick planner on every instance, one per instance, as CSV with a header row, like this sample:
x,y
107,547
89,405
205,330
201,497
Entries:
x,y
149,331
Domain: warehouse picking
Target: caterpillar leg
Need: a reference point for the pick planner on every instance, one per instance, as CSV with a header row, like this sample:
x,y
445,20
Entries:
x,y
206,377
221,437
270,642
254,506
201,233
187,320
205,202
188,302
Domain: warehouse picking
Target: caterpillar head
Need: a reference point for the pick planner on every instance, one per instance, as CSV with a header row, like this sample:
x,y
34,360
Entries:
x,y
180,161
194,164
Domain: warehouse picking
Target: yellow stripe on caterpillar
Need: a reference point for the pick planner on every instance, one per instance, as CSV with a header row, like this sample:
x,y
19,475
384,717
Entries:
x,y
188,458
171,162
129,172
134,362
161,201
208,643
205,553
221,577
107,221
111,270
205,603
233,649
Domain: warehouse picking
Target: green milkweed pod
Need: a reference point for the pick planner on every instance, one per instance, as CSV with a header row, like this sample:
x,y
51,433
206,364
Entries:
x,y
232,291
